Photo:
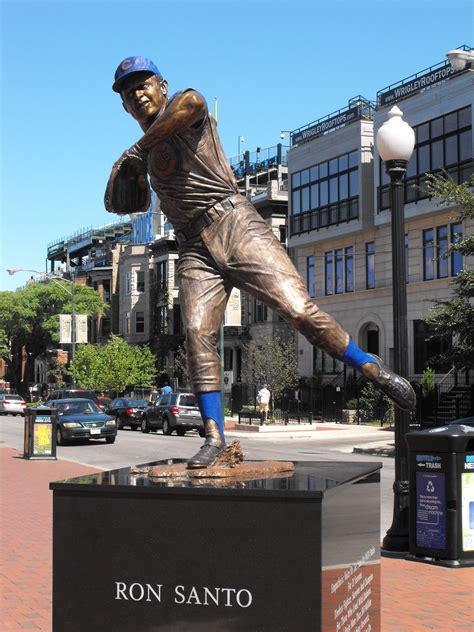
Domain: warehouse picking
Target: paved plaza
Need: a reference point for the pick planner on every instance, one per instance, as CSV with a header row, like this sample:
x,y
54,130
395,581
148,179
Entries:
x,y
414,596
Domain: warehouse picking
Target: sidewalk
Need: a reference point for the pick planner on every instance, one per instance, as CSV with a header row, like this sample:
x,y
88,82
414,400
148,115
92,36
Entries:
x,y
317,430
415,596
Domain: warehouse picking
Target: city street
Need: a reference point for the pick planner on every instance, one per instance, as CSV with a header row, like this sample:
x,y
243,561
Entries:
x,y
133,448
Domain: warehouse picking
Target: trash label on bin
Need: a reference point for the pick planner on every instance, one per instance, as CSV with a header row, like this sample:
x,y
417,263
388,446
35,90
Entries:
x,y
42,436
467,502
430,510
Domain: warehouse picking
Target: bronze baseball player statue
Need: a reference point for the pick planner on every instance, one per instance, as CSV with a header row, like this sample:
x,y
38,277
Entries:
x,y
222,240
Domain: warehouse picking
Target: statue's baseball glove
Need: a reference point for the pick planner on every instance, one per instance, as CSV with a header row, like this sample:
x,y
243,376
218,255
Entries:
x,y
128,190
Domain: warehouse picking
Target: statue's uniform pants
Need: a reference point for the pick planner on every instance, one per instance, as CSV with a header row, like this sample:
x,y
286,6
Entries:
x,y
240,250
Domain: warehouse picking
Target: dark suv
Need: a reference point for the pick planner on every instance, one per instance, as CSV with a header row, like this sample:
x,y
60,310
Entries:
x,y
173,411
68,393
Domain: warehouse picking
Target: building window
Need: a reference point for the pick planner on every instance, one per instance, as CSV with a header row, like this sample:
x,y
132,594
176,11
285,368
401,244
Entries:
x,y
128,328
324,363
428,255
442,254
370,265
105,327
140,281
260,312
339,271
162,318
228,359
427,348
128,283
328,274
456,257
177,322
139,322
310,275
349,268
175,276
326,193
441,143
338,276
436,252
162,275
106,290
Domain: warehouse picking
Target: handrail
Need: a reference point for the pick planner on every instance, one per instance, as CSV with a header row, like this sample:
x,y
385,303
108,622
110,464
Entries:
x,y
448,375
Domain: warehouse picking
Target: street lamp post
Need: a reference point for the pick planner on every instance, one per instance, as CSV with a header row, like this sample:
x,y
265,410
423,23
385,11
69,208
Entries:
x,y
55,278
395,144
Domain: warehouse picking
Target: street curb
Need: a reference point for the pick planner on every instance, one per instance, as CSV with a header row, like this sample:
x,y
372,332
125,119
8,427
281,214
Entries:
x,y
376,450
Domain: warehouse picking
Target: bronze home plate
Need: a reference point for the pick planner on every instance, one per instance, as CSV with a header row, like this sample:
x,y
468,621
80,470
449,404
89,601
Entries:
x,y
229,465
244,470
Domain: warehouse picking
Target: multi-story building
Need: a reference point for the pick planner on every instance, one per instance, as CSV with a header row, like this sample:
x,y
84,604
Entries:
x,y
90,256
340,223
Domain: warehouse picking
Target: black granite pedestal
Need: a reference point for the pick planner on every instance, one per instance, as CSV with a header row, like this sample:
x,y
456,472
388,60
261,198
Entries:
x,y
296,553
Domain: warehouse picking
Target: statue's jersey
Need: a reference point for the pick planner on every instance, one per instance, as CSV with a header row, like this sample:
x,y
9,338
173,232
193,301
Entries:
x,y
190,173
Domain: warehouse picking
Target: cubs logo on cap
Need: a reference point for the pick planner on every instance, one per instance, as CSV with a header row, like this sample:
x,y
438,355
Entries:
x,y
133,64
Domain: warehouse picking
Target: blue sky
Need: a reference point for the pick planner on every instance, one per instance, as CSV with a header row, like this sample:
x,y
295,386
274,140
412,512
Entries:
x,y
272,64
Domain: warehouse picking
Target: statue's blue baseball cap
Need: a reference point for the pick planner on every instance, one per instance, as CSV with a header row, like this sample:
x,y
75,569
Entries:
x,y
133,64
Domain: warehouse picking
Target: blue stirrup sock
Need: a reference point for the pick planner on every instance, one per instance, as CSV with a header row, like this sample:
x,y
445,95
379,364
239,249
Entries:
x,y
210,405
355,357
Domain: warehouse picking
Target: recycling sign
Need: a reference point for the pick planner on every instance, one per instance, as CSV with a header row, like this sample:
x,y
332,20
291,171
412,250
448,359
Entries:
x,y
430,510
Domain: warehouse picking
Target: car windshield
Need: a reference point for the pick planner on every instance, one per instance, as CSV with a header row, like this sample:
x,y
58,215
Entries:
x,y
78,408
135,403
15,398
188,400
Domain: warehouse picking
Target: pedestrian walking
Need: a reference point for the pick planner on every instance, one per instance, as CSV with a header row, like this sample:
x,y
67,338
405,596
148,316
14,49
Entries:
x,y
263,399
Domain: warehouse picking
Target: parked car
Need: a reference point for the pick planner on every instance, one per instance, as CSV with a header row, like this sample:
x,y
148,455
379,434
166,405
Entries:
x,y
82,419
173,411
12,404
69,393
127,411
465,421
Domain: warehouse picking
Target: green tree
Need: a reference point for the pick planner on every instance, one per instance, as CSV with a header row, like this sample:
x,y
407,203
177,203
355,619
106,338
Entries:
x,y
271,361
29,322
454,317
375,405
114,366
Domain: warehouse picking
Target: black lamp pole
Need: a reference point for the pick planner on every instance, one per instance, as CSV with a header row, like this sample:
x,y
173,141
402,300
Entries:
x,y
396,538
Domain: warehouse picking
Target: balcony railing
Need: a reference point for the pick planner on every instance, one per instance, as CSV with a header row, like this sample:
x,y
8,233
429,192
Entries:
x,y
250,163
416,186
325,216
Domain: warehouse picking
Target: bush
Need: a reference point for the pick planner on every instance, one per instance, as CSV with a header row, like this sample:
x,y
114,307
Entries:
x,y
428,381
374,405
351,404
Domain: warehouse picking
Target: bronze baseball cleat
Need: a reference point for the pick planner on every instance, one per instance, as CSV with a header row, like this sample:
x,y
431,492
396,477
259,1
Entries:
x,y
397,388
210,450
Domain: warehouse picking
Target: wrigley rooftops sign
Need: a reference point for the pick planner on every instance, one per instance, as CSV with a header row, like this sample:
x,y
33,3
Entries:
x,y
407,87
320,127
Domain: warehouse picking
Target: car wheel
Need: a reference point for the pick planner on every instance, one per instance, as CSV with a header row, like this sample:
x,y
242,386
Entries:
x,y
119,423
59,437
166,426
181,432
202,433
145,426
109,439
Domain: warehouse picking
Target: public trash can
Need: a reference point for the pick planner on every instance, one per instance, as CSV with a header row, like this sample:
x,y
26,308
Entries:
x,y
442,495
40,433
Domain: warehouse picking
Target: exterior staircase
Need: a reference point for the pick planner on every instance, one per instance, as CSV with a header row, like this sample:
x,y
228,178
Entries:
x,y
454,398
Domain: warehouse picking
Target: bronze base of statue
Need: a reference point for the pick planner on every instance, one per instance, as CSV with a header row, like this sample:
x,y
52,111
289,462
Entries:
x,y
228,465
